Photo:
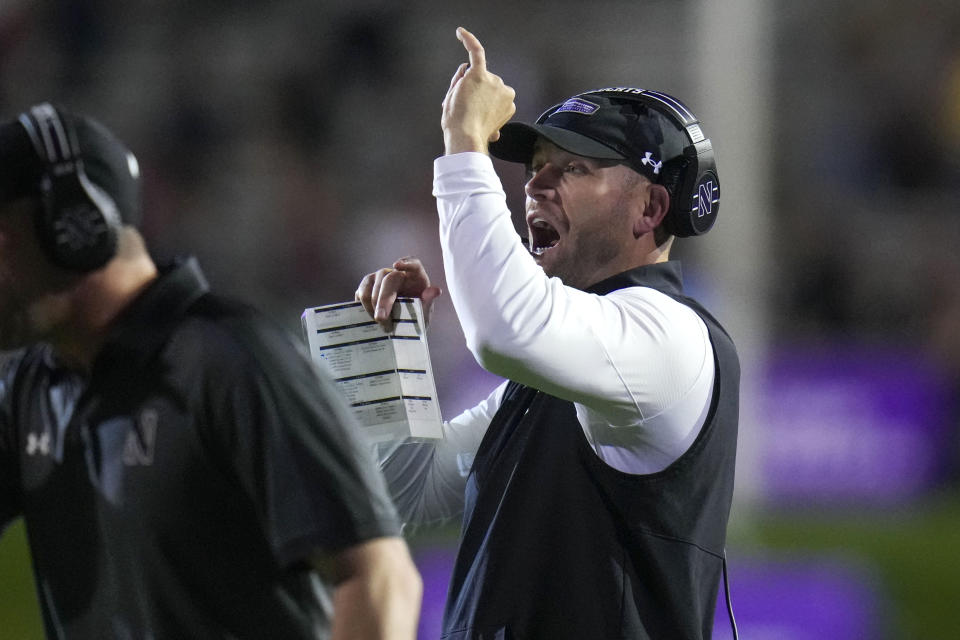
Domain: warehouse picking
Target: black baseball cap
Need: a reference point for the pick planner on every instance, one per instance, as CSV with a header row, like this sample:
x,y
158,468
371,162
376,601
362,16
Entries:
x,y
107,162
614,124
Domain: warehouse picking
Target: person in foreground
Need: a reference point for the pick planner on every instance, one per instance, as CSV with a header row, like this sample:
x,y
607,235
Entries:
x,y
596,483
182,470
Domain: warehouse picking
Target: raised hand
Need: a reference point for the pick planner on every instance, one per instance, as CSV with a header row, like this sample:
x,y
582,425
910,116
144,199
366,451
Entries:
x,y
477,103
406,278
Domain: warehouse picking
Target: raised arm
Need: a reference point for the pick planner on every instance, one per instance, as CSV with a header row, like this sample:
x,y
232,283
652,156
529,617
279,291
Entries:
x,y
477,104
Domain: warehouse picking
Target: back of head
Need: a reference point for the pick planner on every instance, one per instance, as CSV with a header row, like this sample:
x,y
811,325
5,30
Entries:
x,y
87,181
652,132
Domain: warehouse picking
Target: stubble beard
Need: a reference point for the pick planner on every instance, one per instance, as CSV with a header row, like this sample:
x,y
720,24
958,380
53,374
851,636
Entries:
x,y
590,253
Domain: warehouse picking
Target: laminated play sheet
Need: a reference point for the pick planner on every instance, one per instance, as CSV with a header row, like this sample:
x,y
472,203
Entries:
x,y
386,377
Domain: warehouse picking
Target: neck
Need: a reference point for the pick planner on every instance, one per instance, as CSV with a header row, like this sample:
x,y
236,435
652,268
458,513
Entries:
x,y
94,304
658,253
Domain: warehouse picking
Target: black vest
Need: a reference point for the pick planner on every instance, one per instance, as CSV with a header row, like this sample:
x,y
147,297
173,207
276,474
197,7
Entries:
x,y
557,544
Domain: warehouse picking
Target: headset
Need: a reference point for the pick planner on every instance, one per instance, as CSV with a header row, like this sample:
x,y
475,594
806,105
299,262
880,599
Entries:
x,y
78,222
691,178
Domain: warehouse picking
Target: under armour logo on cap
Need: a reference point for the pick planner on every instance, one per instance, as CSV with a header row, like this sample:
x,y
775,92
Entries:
x,y
647,159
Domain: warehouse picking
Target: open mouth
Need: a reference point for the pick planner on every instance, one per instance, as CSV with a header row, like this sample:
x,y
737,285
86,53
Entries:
x,y
542,236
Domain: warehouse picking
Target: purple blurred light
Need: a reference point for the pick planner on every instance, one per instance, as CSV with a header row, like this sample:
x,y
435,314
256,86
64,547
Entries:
x,y
851,425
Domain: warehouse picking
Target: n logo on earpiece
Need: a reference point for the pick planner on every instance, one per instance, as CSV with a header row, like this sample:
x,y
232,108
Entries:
x,y
705,201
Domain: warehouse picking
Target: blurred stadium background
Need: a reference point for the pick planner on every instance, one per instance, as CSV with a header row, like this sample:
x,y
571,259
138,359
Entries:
x,y
289,145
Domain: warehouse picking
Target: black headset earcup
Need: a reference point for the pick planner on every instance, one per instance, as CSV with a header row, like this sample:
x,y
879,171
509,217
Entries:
x,y
706,202
691,180
78,222
691,176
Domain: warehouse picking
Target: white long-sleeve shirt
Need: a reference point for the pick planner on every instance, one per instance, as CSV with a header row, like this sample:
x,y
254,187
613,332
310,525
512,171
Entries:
x,y
637,364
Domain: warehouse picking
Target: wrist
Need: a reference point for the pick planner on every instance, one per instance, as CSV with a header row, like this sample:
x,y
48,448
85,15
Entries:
x,y
459,142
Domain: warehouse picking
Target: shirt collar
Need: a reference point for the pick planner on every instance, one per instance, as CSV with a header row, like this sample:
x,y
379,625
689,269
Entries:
x,y
144,326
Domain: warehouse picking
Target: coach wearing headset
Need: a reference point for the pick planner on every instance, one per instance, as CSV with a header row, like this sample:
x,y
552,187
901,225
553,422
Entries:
x,y
596,483
182,470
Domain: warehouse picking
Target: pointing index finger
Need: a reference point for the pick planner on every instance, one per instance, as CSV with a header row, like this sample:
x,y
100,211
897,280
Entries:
x,y
478,59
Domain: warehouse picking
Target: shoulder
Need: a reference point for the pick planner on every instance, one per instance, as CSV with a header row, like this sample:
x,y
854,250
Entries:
x,y
243,374
233,339
658,313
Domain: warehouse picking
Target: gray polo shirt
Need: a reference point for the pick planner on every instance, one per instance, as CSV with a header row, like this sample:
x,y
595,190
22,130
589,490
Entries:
x,y
177,491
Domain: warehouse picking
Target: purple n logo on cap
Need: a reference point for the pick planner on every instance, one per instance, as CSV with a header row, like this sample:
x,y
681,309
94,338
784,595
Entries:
x,y
578,105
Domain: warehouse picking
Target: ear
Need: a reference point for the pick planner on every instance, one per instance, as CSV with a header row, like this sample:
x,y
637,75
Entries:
x,y
655,211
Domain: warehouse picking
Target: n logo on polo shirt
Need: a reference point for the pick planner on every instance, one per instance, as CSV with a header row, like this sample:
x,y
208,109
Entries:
x,y
141,440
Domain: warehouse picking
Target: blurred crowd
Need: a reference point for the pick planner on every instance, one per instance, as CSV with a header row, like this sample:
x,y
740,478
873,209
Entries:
x,y
289,144
868,183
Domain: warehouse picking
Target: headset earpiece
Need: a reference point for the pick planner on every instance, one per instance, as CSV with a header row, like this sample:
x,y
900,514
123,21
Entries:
x,y
694,190
691,177
78,222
